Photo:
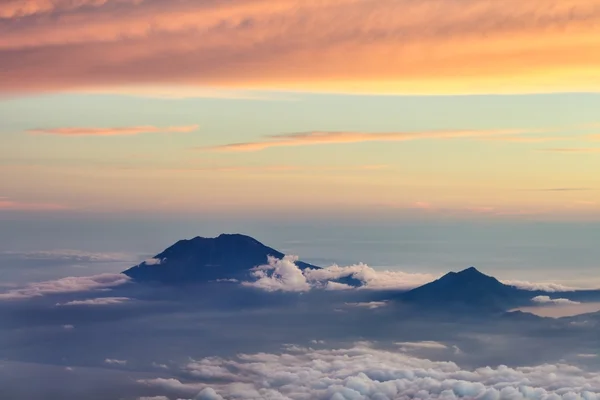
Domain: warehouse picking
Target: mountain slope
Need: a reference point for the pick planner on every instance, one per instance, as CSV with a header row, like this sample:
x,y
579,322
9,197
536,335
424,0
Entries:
x,y
469,289
228,256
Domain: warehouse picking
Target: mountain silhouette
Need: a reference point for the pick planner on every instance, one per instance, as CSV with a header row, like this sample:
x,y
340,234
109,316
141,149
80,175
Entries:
x,y
228,256
467,289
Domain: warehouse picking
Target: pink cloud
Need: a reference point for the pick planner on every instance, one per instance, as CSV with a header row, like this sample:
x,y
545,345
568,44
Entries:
x,y
132,130
12,205
319,138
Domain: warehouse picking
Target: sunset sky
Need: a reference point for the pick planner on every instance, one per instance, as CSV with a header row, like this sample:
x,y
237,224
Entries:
x,y
453,108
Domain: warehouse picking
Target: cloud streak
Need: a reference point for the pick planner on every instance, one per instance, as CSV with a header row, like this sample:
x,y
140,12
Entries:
x,y
7,204
101,301
122,131
366,46
321,138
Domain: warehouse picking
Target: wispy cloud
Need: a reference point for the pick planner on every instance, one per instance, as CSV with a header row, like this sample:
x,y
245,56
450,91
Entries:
x,y
368,46
7,204
321,137
525,139
573,150
131,130
100,301
563,189
66,285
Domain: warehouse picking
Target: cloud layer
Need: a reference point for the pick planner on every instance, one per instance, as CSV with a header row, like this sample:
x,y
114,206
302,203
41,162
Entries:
x,y
374,46
363,372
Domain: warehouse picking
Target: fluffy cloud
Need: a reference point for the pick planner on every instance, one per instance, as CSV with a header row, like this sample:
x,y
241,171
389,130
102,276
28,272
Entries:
x,y
153,261
372,46
66,285
101,301
370,278
363,372
285,275
548,300
280,275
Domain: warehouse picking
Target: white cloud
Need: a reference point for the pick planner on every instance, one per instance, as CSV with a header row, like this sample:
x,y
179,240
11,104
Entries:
x,y
154,261
154,398
370,278
113,361
423,345
587,355
366,373
161,366
68,327
208,394
542,286
100,301
285,275
370,305
279,275
337,286
548,300
66,285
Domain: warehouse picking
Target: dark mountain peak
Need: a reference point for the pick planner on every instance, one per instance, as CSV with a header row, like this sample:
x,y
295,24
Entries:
x,y
201,259
469,287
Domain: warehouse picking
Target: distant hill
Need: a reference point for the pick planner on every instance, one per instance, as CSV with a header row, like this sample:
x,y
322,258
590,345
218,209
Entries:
x,y
467,290
228,256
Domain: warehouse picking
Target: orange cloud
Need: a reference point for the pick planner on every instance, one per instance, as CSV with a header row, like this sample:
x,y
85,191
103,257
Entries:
x,y
24,8
574,150
364,46
524,139
11,205
132,130
314,138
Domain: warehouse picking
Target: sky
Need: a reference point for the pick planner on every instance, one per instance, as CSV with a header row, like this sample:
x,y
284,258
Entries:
x,y
126,125
476,108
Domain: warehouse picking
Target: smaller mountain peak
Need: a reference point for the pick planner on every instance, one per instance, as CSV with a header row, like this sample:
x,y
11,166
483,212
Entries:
x,y
471,270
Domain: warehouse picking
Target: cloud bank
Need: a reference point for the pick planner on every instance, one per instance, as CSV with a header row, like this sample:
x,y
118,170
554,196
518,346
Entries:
x,y
284,275
363,372
66,285
360,46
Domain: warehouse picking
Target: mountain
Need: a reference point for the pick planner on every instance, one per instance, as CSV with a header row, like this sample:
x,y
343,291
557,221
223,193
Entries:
x,y
228,256
469,290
